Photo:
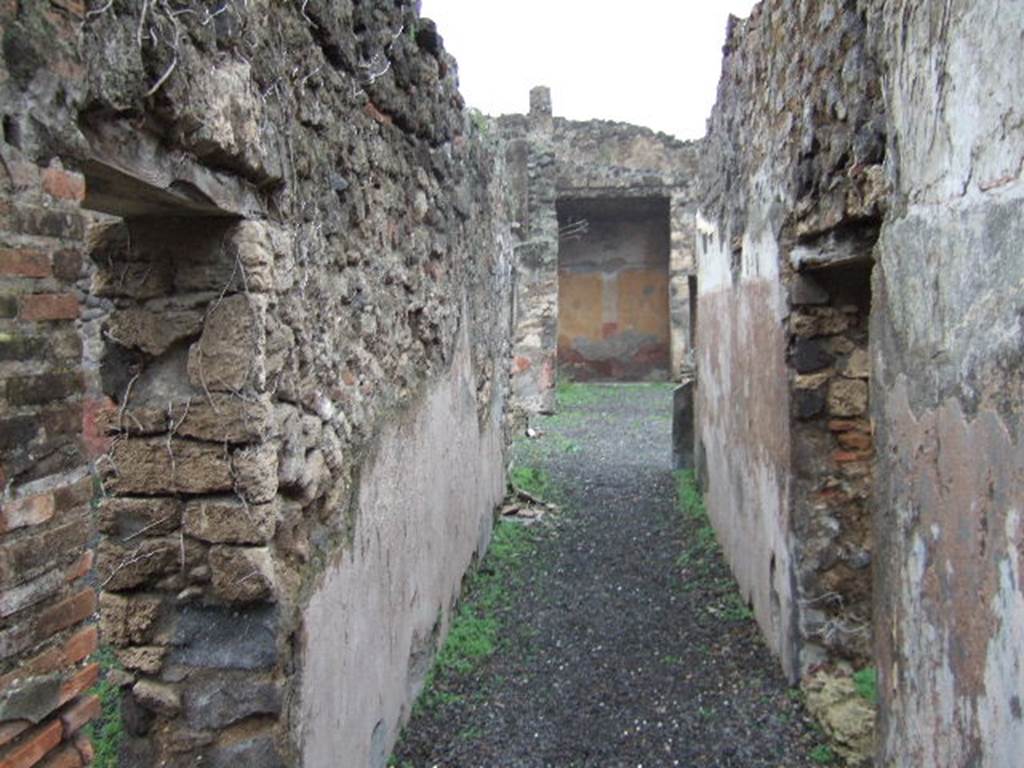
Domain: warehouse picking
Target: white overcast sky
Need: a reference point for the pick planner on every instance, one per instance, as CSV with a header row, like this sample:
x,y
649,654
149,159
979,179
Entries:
x,y
648,62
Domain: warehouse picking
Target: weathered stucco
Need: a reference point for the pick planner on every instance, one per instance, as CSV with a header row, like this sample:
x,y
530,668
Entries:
x,y
383,605
948,397
743,445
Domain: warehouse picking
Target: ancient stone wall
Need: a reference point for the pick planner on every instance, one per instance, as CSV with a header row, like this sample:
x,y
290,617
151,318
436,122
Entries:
x,y
554,160
860,274
297,316
947,338
790,194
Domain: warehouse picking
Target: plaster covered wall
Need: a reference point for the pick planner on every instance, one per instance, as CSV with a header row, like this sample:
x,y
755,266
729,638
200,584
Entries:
x,y
383,604
791,168
743,429
947,401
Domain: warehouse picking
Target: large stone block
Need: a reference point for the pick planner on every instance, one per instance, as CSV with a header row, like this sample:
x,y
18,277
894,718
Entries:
x,y
223,637
229,520
216,701
229,355
155,466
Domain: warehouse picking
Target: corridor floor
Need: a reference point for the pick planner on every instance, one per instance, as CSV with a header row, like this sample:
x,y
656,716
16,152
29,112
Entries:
x,y
622,640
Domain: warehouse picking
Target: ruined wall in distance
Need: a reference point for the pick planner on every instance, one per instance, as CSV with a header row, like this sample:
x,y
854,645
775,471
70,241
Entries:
x,y
552,159
304,269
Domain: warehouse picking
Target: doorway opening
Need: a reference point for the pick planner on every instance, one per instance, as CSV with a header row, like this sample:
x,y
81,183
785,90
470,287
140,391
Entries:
x,y
613,289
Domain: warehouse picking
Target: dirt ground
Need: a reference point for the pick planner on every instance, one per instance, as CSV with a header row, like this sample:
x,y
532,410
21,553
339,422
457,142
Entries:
x,y
620,638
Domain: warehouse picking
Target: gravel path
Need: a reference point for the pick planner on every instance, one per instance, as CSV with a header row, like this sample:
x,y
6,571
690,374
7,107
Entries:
x,y
614,653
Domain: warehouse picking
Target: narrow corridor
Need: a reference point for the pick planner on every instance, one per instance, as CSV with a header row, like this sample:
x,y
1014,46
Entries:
x,y
619,637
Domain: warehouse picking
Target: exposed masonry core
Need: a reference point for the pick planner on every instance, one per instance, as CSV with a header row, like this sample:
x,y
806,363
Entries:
x,y
613,297
263,283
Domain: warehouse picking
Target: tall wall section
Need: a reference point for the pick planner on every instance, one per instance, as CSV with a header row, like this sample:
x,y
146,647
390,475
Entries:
x,y
859,354
255,260
948,338
791,196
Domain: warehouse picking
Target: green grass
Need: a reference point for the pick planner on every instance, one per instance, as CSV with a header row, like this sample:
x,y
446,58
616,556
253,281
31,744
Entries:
x,y
475,632
571,394
702,550
822,755
866,681
533,480
107,731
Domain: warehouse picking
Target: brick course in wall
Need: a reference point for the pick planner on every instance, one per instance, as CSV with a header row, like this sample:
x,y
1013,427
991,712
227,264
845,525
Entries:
x,y
46,604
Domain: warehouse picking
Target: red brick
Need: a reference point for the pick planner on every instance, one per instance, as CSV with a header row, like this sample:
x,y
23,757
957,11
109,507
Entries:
x,y
33,747
844,457
82,566
96,413
20,513
48,306
855,441
65,757
19,559
79,713
845,425
46,662
24,262
64,185
66,613
84,747
81,645
81,682
11,730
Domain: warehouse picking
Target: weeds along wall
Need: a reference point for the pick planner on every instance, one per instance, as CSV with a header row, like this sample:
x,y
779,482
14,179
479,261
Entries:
x,y
254,312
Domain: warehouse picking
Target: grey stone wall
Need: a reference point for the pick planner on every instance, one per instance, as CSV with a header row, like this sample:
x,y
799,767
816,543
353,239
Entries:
x,y
303,285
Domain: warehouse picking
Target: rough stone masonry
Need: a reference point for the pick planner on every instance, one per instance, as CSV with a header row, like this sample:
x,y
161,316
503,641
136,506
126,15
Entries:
x,y
256,272
264,284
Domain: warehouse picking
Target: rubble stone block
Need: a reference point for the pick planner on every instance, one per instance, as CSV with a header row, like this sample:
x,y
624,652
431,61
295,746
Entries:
x,y
161,698
229,355
121,566
242,574
154,332
126,517
255,473
127,619
147,659
847,397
